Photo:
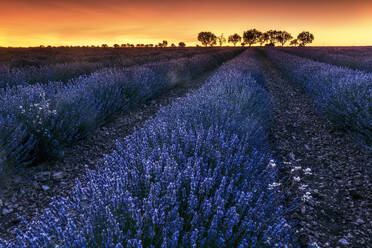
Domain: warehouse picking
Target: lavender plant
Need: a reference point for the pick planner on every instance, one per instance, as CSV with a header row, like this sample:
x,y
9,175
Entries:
x,y
359,58
56,114
344,95
194,176
12,76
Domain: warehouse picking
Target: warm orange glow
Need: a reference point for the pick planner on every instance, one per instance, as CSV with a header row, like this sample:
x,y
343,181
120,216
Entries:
x,y
90,22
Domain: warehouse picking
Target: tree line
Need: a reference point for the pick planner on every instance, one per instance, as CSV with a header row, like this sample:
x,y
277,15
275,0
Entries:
x,y
253,36
160,44
249,37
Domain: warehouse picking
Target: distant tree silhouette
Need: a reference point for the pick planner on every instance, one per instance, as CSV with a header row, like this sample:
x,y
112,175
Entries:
x,y
221,39
294,42
234,38
207,38
263,38
163,44
259,35
123,45
181,44
243,44
173,45
251,36
305,38
104,46
116,46
273,36
283,37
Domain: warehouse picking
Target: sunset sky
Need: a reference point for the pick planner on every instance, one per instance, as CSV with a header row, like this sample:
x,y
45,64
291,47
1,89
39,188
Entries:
x,y
94,22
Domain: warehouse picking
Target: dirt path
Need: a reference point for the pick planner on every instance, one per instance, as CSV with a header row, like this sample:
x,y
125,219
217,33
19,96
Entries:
x,y
29,192
328,172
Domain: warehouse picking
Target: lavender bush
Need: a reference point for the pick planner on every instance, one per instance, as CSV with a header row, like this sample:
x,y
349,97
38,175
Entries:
x,y
353,58
12,76
42,119
44,74
194,176
342,94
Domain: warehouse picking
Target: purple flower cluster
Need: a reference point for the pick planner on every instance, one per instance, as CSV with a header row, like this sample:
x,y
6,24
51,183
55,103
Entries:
x,y
194,176
358,58
38,121
44,74
344,95
12,76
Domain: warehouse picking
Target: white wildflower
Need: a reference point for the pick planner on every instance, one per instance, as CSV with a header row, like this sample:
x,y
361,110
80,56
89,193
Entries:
x,y
273,185
308,171
306,197
271,164
296,179
315,245
302,187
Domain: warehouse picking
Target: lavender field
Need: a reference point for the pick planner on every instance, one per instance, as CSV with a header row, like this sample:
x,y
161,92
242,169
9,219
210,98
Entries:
x,y
186,147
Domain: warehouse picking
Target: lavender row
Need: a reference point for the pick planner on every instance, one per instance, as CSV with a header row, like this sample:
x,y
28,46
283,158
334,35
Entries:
x,y
194,176
38,121
31,75
357,58
344,95
65,72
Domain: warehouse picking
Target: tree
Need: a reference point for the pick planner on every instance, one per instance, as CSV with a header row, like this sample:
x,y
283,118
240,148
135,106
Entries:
x,y
251,36
235,38
305,37
163,44
243,44
207,38
273,36
116,46
294,42
214,42
173,45
104,46
283,37
123,45
221,39
263,38
181,44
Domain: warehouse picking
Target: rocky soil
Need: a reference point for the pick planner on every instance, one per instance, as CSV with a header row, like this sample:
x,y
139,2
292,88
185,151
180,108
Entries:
x,y
325,171
26,193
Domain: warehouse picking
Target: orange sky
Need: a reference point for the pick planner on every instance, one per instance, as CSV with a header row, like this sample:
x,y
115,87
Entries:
x,y
91,22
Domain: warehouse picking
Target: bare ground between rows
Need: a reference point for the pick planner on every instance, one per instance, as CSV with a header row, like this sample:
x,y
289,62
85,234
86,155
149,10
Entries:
x,y
28,193
337,210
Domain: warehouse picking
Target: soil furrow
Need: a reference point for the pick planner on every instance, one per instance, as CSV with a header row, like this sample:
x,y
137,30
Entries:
x,y
327,173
